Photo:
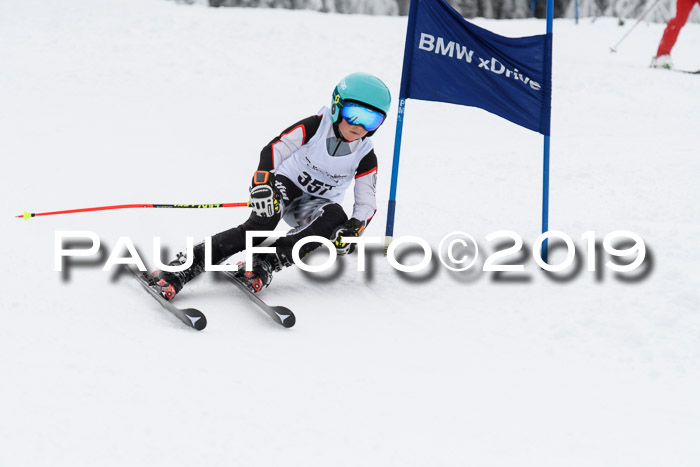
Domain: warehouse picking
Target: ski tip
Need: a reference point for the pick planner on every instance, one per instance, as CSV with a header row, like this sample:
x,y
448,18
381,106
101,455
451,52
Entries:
x,y
290,321
197,318
285,315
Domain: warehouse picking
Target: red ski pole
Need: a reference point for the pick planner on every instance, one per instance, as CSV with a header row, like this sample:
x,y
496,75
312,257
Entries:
x,y
29,215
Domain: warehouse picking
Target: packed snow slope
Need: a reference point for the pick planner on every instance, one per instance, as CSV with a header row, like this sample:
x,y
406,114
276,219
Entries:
x,y
148,101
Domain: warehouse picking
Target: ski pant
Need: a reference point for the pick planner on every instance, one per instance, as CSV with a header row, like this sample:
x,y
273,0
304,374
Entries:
x,y
674,26
322,221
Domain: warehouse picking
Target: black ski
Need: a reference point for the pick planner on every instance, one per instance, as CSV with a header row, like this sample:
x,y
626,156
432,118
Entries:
x,y
281,315
190,316
690,72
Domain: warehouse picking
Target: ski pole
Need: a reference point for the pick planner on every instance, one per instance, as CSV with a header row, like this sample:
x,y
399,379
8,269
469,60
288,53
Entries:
x,y
29,215
614,48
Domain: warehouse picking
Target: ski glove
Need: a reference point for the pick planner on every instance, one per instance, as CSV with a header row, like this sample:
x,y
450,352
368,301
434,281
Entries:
x,y
264,197
352,228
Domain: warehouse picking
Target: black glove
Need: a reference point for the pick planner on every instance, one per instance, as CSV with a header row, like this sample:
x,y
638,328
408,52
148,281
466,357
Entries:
x,y
352,228
264,197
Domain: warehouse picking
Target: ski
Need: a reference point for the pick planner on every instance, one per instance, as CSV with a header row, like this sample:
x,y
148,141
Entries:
x,y
281,315
690,72
190,316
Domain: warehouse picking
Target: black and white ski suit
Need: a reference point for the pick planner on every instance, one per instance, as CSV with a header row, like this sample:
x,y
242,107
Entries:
x,y
313,166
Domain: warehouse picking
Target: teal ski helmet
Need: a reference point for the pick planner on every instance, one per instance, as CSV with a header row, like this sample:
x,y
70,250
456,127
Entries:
x,y
364,89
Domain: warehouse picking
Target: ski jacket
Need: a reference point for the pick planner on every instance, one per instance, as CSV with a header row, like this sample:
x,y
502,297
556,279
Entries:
x,y
322,164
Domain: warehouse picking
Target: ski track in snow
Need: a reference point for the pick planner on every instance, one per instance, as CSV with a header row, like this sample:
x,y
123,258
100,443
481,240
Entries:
x,y
149,101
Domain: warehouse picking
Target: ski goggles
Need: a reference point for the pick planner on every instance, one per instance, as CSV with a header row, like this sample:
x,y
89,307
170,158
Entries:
x,y
357,114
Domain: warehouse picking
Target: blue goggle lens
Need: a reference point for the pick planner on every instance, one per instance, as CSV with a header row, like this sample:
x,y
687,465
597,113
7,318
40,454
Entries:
x,y
356,114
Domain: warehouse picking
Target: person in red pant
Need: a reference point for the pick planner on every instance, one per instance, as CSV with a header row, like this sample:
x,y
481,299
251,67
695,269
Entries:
x,y
663,55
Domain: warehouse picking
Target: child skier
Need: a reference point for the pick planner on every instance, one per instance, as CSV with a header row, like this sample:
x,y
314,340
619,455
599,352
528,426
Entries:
x,y
302,177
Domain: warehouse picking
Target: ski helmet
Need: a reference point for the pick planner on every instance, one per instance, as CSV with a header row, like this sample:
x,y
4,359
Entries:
x,y
364,89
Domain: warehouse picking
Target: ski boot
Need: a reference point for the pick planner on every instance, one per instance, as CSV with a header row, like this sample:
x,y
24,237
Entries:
x,y
168,284
662,61
261,274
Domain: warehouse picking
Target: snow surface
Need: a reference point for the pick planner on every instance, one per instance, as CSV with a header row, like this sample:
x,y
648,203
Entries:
x,y
148,101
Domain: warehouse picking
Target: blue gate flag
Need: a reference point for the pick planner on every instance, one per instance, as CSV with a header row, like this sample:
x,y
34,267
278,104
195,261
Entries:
x,y
448,59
